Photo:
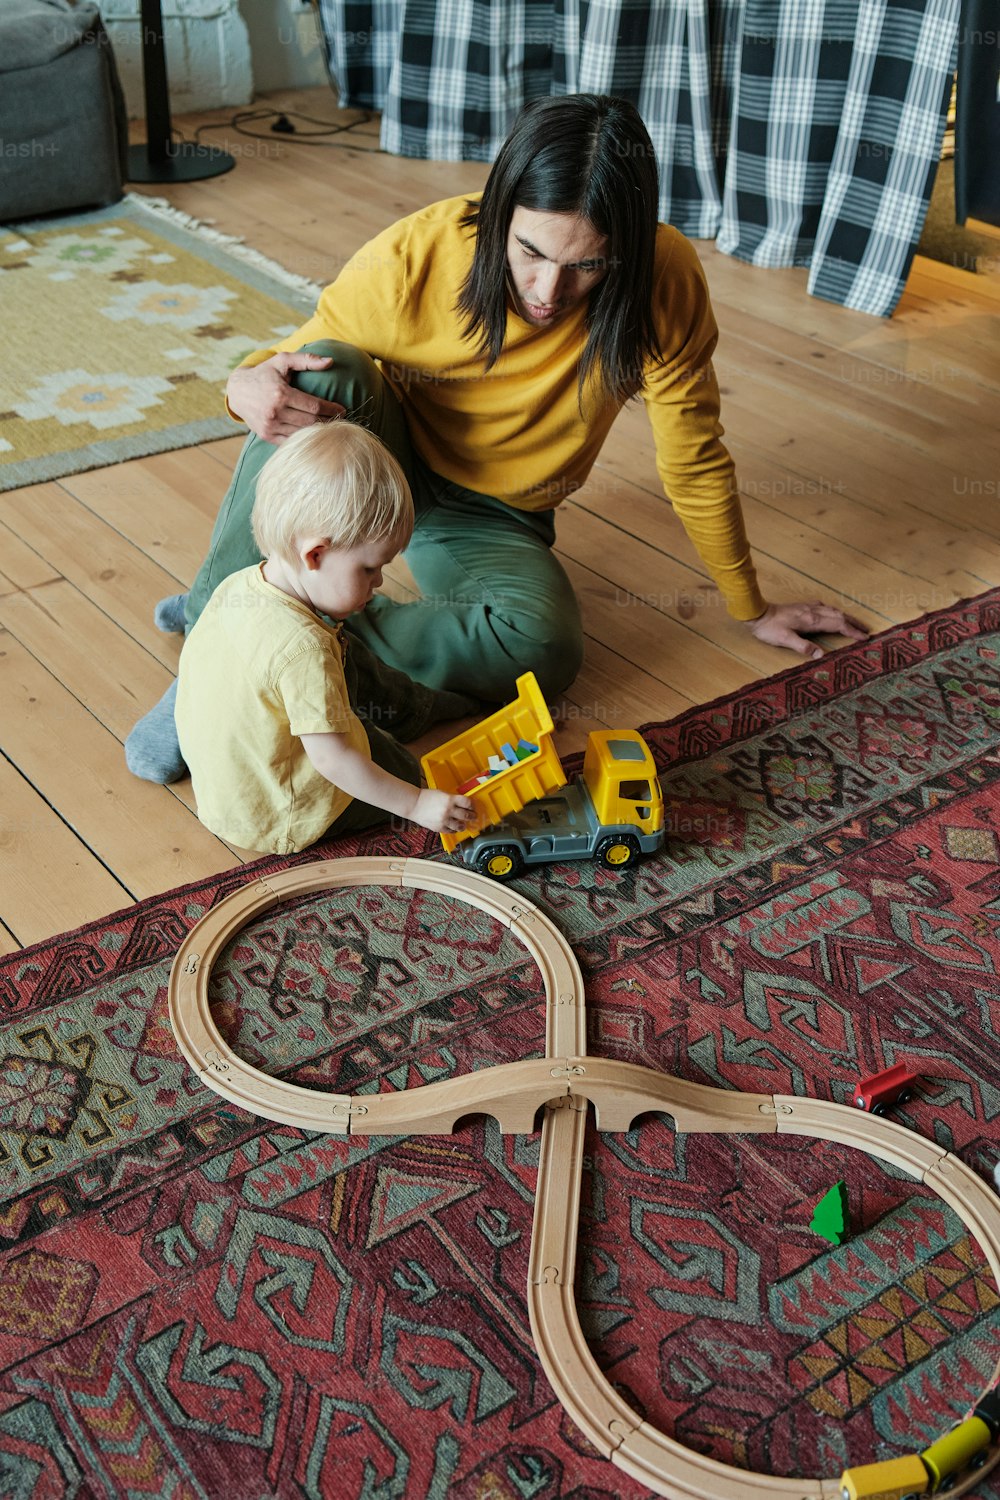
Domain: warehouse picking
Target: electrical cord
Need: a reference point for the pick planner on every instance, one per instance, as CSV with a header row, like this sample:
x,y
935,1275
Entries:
x,y
283,125
283,120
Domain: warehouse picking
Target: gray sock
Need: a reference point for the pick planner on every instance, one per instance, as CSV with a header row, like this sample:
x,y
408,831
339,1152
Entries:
x,y
152,751
168,615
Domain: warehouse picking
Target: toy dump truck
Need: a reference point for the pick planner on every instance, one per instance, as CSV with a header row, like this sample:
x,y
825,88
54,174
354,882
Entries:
x,y
527,813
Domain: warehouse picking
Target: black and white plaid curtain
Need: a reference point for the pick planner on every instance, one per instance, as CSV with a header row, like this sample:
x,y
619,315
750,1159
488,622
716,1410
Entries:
x,y
795,132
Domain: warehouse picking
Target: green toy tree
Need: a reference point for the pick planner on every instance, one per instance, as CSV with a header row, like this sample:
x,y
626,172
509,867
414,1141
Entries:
x,y
830,1215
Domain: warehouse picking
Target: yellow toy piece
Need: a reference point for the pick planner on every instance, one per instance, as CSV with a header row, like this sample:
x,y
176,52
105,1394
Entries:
x,y
951,1454
895,1479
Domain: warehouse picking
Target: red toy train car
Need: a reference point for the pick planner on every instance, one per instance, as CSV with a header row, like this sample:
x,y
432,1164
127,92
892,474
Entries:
x,y
879,1092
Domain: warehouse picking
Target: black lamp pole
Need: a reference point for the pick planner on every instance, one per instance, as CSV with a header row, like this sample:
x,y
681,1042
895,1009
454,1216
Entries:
x,y
163,159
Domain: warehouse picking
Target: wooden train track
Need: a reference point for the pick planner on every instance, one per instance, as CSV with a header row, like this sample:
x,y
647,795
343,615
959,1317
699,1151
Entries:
x,y
561,1084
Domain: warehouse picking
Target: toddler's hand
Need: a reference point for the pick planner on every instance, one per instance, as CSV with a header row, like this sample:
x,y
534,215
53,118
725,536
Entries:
x,y
443,812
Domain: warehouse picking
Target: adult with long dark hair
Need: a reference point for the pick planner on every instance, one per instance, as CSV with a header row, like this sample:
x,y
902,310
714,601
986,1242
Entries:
x,y
509,329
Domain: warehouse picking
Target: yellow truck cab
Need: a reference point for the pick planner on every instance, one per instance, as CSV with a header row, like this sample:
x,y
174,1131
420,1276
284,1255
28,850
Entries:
x,y
527,812
620,775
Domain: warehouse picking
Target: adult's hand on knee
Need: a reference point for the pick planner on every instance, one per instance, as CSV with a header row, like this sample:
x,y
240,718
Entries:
x,y
264,397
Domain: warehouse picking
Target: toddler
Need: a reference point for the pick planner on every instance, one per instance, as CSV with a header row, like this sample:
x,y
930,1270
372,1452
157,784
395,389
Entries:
x,y
278,756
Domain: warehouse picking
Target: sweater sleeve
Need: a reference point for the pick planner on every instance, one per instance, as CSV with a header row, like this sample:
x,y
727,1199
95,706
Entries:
x,y
682,398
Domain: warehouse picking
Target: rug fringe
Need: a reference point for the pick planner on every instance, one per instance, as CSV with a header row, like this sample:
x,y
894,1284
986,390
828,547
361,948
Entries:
x,y
230,242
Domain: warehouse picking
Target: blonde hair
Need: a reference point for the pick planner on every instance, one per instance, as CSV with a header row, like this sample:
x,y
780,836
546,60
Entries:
x,y
335,480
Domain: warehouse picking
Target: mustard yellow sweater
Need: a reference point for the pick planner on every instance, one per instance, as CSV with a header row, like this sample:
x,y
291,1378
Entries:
x,y
516,431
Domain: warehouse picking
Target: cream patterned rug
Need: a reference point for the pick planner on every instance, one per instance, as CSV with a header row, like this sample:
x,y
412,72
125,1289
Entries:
x,y
120,328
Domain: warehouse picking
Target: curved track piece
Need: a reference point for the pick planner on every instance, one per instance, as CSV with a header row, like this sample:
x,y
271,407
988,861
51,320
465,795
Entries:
x,y
658,1461
563,1082
433,1109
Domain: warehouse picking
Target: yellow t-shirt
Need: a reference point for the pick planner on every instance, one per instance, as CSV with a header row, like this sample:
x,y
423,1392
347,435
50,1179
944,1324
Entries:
x,y
516,431
258,670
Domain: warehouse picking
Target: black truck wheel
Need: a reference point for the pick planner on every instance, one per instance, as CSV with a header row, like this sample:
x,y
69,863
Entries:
x,y
501,862
618,850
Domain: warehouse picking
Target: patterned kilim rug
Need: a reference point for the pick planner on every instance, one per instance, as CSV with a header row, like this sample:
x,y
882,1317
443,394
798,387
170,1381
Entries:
x,y
120,329
194,1302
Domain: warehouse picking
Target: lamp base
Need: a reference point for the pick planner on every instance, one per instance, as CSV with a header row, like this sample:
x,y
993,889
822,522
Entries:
x,y
184,162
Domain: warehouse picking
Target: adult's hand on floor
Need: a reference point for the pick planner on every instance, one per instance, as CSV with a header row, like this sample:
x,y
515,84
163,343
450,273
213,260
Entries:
x,y
790,625
264,398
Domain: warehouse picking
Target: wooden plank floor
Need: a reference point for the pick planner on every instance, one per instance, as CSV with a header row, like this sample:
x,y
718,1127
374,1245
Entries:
x,y
867,458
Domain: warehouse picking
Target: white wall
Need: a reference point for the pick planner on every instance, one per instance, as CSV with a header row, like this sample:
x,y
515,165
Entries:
x,y
207,45
285,44
220,51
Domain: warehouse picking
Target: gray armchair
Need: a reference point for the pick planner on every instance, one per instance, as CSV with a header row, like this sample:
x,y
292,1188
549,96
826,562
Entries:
x,y
63,126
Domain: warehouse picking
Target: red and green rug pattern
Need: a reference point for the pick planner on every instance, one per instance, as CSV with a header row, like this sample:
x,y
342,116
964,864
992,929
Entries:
x,y
195,1302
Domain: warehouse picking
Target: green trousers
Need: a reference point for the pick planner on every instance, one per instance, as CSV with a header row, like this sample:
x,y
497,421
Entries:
x,y
494,600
